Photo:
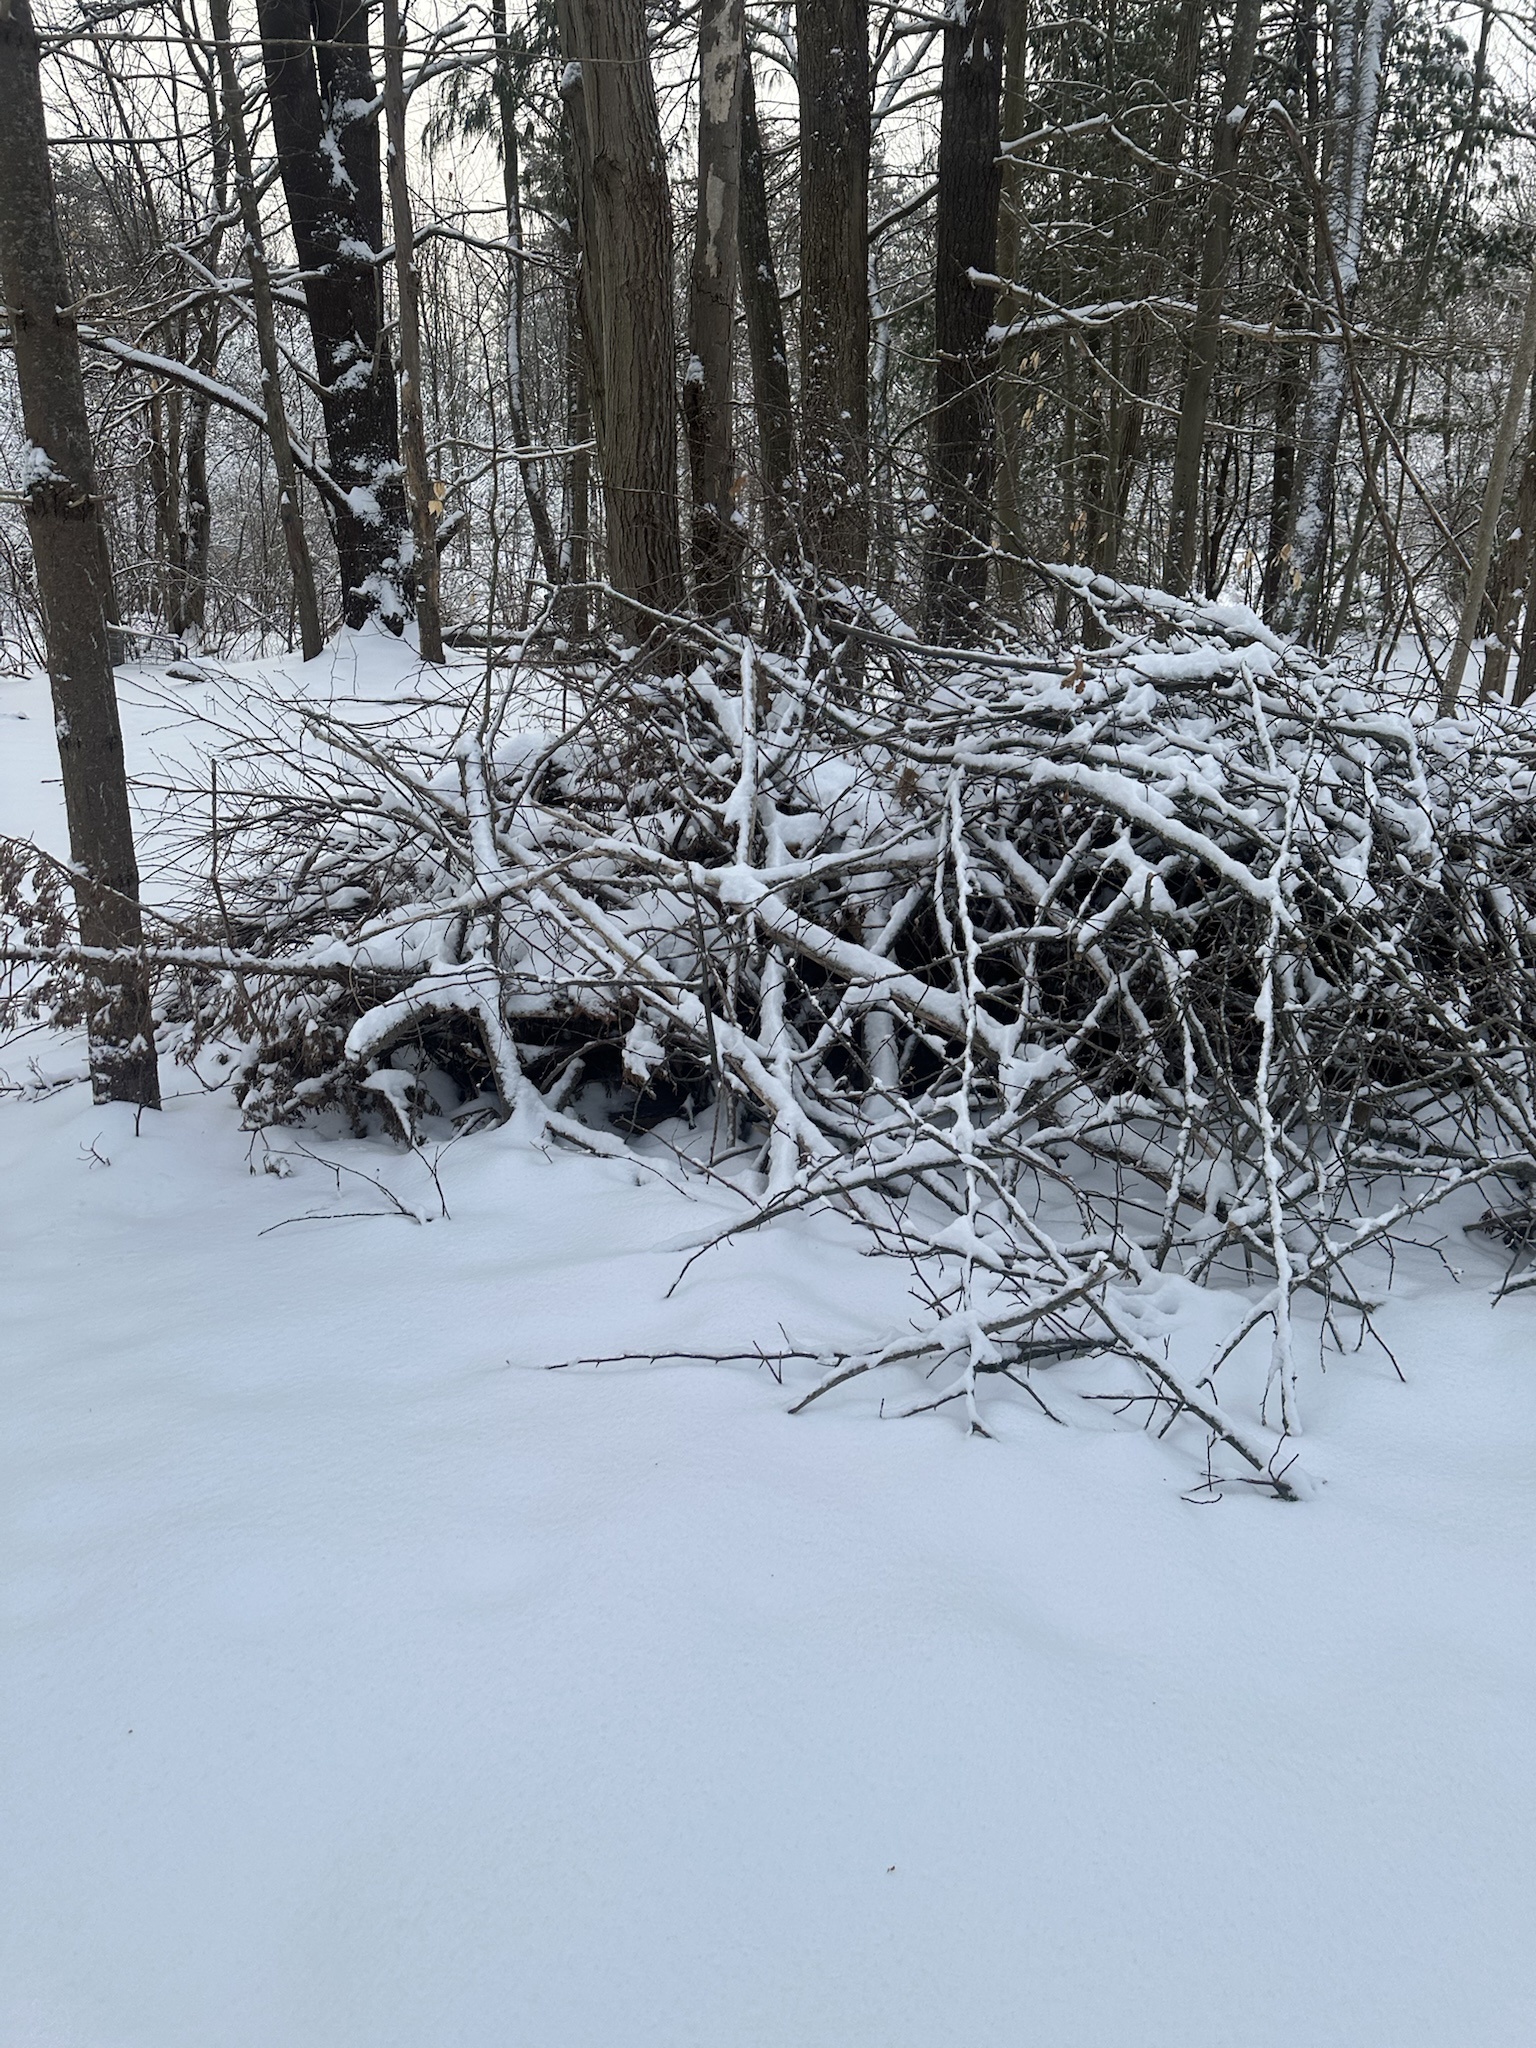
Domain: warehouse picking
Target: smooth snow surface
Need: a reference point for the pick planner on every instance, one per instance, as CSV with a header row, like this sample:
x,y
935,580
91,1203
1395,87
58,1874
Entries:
x,y
367,1686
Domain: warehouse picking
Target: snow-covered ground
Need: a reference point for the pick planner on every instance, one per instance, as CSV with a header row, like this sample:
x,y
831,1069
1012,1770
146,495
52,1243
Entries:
x,y
366,1685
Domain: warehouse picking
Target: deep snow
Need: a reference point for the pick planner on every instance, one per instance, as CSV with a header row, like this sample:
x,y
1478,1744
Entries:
x,y
366,1684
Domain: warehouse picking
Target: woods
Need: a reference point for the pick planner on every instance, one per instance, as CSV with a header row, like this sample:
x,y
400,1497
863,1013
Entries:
x,y
965,580
1209,299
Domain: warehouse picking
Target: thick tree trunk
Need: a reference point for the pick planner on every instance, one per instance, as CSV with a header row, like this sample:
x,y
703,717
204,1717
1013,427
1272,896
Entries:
x,y
965,240
711,308
1205,332
1360,39
289,506
833,41
772,403
413,427
64,520
624,220
329,158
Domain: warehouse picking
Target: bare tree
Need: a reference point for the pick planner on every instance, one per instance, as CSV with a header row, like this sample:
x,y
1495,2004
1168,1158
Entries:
x,y
321,86
413,430
1205,333
1360,40
833,44
517,403
772,401
711,309
64,519
965,241
624,222
289,507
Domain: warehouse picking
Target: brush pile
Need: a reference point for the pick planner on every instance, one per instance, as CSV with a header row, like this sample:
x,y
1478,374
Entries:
x,y
1182,959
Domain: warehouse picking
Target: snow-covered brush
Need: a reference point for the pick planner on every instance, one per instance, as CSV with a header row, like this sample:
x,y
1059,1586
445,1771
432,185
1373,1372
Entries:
x,y
1076,982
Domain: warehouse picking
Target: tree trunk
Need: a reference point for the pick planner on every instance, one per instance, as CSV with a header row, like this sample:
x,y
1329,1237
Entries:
x,y
517,404
624,222
965,240
290,509
64,520
1360,37
711,308
1504,445
833,39
772,404
413,428
1162,192
329,160
1205,332
1008,402
1511,587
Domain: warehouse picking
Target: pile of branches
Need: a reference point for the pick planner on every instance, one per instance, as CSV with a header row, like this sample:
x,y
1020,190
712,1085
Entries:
x,y
1183,957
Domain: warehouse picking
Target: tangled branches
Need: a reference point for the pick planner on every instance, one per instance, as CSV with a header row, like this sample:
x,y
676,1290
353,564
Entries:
x,y
1180,963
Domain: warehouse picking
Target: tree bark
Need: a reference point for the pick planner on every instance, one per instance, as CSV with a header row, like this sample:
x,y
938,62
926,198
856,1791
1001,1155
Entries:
x,y
413,428
65,524
833,42
1360,39
772,403
965,240
711,308
290,509
1205,331
318,72
624,224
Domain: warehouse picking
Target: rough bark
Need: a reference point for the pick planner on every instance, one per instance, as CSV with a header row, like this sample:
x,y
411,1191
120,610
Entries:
x,y
65,525
289,505
624,227
711,307
965,240
772,403
1205,330
833,44
318,70
413,426
1360,39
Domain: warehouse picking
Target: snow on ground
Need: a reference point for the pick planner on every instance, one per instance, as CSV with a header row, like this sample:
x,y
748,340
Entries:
x,y
368,1686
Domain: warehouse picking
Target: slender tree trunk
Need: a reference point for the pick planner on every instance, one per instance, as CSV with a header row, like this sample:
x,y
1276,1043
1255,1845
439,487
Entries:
x,y
318,74
1126,441
413,426
1505,442
65,524
1510,588
965,240
290,509
711,307
624,220
517,403
1008,400
833,42
772,404
1360,38
1205,332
